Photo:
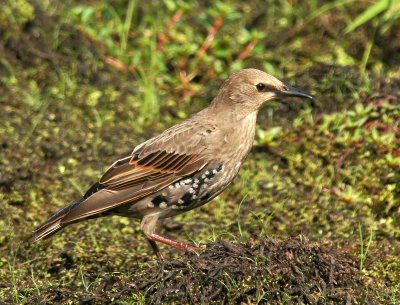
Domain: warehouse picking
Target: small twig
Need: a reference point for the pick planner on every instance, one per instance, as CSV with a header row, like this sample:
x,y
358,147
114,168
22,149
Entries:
x,y
247,50
185,79
396,152
162,37
210,37
87,35
339,163
368,125
209,74
119,64
295,138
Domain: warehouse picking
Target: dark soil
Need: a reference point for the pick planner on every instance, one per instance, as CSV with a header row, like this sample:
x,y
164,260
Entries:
x,y
291,271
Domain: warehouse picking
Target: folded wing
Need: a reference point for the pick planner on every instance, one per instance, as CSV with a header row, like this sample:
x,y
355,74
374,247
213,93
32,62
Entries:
x,y
135,177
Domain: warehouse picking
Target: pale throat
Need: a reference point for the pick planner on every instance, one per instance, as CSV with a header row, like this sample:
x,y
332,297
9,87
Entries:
x,y
243,132
248,127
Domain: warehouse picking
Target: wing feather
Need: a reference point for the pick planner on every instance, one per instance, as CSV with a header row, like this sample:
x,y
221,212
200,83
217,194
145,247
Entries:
x,y
148,160
127,181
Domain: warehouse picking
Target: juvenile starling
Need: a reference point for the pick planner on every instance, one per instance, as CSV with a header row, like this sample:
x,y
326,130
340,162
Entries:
x,y
182,168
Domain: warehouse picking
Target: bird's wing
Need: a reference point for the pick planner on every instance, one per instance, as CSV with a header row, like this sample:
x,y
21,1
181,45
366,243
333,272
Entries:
x,y
151,167
145,169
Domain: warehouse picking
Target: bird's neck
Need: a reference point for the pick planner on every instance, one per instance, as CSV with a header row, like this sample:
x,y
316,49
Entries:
x,y
244,130
231,111
238,129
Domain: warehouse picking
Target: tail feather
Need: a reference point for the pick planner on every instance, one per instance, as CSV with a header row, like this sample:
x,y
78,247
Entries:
x,y
53,224
48,231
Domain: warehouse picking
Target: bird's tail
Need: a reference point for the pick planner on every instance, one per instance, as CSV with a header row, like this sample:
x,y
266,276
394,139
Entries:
x,y
54,223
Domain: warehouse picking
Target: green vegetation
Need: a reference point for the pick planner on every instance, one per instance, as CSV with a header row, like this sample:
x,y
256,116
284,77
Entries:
x,y
84,81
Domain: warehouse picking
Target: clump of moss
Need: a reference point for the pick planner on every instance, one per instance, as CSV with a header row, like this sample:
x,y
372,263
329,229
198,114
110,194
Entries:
x,y
14,14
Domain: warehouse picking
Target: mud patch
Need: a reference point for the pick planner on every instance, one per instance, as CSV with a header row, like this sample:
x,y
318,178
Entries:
x,y
289,271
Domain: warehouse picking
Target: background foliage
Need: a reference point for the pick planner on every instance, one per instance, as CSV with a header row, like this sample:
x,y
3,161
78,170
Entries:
x,y
83,81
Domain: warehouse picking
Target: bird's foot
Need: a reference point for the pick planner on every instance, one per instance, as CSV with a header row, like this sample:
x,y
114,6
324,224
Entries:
x,y
168,241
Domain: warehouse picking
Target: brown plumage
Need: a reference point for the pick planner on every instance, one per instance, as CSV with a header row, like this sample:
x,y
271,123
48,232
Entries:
x,y
182,168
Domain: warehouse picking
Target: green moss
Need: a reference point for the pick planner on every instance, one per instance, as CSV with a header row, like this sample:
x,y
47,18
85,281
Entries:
x,y
14,15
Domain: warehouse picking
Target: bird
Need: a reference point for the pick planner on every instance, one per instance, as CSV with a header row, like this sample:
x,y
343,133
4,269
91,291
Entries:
x,y
182,168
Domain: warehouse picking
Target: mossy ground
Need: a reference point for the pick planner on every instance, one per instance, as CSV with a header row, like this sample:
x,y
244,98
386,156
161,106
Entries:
x,y
313,216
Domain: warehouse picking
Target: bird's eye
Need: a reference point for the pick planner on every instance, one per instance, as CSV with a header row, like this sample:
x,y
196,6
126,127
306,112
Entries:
x,y
260,87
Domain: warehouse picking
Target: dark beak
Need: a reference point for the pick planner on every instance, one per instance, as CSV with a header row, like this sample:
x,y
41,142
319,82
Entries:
x,y
291,91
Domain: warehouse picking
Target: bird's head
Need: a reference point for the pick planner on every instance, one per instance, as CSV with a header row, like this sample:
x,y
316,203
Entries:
x,y
251,88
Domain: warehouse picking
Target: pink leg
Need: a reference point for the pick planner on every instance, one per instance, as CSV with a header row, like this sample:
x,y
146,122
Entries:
x,y
156,249
168,241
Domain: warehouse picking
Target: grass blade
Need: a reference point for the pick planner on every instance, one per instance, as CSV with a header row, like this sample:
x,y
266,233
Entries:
x,y
368,14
